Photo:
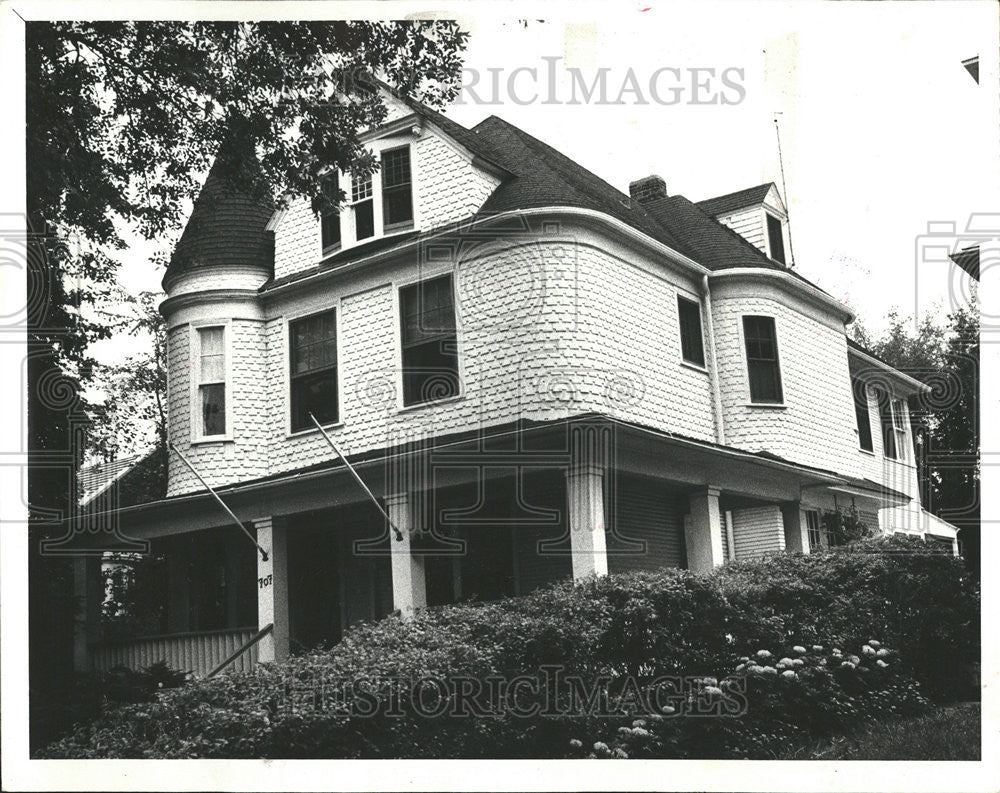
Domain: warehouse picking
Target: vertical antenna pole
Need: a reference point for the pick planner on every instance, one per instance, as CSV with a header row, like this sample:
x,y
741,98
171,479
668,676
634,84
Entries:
x,y
784,189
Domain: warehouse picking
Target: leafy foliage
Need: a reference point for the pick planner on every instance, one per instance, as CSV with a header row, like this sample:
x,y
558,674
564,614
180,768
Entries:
x,y
591,659
123,119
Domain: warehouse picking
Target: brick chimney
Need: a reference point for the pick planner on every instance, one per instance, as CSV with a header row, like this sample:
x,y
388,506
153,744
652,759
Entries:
x,y
647,189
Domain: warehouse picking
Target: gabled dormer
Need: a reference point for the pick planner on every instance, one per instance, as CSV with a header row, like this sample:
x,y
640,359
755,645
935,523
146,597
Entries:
x,y
758,215
429,173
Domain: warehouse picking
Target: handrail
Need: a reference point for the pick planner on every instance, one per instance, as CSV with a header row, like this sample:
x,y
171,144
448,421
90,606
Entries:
x,y
250,643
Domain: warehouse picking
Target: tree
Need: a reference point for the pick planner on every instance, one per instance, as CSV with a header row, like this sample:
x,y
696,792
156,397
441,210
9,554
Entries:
x,y
122,119
945,356
133,415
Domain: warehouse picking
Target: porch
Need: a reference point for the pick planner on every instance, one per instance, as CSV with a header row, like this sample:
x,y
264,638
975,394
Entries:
x,y
478,522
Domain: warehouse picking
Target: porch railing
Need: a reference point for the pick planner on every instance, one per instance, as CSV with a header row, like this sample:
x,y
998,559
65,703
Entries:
x,y
198,652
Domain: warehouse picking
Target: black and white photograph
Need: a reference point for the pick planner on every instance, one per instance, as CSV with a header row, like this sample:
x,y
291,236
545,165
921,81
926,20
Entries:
x,y
390,386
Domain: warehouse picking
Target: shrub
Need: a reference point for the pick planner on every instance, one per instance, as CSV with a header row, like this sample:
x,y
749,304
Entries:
x,y
918,598
628,664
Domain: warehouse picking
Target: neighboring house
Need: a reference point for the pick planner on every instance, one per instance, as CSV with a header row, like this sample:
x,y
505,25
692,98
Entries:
x,y
539,376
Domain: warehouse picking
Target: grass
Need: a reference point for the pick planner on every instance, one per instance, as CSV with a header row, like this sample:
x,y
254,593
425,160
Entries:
x,y
948,733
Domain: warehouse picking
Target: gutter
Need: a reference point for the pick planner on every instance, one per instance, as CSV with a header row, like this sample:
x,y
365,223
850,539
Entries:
x,y
912,382
485,222
713,372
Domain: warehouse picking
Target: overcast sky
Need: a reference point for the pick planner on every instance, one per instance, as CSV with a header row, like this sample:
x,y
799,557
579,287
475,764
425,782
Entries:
x,y
882,129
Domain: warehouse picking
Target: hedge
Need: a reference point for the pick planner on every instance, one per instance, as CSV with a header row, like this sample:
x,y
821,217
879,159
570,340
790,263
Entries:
x,y
735,663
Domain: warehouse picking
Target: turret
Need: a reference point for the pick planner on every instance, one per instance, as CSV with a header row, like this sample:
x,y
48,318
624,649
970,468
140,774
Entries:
x,y
215,327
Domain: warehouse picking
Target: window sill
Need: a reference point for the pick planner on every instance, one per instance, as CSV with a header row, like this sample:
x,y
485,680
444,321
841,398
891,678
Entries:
x,y
865,451
388,231
312,430
446,401
696,367
212,439
766,405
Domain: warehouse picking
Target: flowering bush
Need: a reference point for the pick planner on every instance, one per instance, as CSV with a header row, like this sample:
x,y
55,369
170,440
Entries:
x,y
816,694
664,664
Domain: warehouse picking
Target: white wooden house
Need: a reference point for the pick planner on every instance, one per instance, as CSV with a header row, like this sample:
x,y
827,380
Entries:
x,y
539,377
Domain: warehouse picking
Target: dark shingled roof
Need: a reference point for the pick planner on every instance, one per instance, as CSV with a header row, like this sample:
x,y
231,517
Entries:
x,y
227,226
733,201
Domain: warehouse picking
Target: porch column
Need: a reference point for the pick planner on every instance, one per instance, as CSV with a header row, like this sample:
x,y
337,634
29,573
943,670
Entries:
x,y
703,533
796,528
88,594
585,500
409,586
272,588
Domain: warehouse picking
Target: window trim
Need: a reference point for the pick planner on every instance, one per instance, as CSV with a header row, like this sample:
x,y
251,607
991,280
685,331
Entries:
x,y
782,403
703,365
194,370
426,274
286,361
348,222
404,225
901,432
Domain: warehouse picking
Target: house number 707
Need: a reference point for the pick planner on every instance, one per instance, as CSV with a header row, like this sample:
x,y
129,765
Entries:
x,y
265,581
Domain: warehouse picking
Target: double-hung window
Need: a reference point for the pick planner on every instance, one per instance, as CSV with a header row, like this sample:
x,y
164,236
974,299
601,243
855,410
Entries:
x,y
860,391
893,419
212,381
397,193
364,206
899,426
330,217
312,357
763,371
428,341
692,347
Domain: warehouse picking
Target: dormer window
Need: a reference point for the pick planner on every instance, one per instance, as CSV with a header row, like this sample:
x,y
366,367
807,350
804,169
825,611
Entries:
x,y
377,204
397,192
330,219
775,238
363,205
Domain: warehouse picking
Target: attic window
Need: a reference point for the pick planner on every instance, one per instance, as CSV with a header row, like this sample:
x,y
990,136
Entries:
x,y
364,206
397,197
775,238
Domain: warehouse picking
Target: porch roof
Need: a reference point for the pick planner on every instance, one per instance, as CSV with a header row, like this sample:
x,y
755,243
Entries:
x,y
690,462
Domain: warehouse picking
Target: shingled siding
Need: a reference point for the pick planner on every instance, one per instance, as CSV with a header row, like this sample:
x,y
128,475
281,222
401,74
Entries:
x,y
451,188
817,425
749,224
245,457
758,531
548,329
448,188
